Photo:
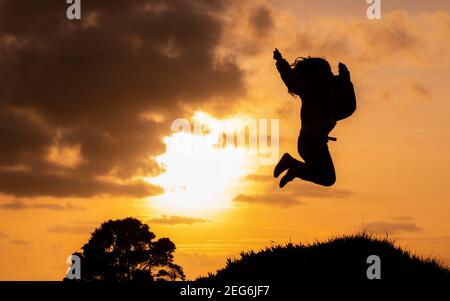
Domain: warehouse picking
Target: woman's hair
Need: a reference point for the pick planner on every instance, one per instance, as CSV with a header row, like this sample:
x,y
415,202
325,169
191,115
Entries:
x,y
312,67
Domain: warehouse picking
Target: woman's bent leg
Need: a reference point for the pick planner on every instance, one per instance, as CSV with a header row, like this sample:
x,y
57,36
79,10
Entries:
x,y
318,167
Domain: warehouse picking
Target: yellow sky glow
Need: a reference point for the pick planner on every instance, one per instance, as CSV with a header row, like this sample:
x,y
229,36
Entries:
x,y
199,175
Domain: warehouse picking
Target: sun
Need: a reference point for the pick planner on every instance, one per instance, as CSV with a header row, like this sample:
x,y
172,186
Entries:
x,y
200,175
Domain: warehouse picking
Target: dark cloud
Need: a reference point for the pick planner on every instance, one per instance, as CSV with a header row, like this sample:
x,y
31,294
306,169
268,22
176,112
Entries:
x,y
360,42
262,178
33,184
291,193
316,191
88,83
3,235
20,205
420,89
396,35
23,135
19,242
175,220
261,21
382,227
273,199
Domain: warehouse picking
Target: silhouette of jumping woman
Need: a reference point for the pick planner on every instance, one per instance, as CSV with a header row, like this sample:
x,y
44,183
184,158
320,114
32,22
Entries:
x,y
326,98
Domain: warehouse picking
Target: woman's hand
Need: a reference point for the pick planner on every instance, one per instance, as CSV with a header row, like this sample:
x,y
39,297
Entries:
x,y
343,71
277,55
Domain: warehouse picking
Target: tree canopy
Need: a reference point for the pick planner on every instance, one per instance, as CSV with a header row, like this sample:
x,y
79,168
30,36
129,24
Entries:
x,y
126,250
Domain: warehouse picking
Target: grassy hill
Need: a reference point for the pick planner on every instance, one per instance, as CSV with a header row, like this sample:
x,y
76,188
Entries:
x,y
340,258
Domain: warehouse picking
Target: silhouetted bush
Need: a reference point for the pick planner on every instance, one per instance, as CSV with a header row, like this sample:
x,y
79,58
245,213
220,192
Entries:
x,y
341,258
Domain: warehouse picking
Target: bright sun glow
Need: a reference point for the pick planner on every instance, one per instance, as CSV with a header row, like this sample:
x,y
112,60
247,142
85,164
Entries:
x,y
199,175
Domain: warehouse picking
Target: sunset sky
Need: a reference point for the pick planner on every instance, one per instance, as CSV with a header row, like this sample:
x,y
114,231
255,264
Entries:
x,y
86,109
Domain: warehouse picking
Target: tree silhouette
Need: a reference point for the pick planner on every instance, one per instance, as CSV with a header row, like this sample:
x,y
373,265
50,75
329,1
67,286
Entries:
x,y
125,250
